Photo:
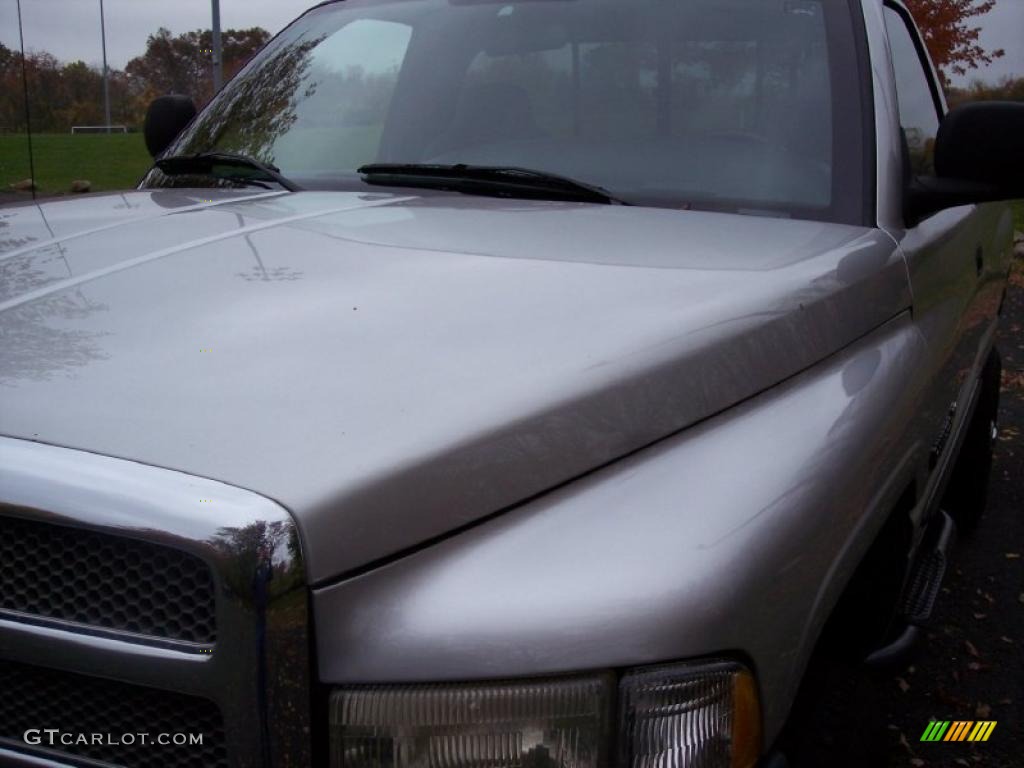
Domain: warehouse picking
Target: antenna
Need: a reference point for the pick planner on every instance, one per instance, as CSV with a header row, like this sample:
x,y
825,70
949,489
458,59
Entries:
x,y
28,121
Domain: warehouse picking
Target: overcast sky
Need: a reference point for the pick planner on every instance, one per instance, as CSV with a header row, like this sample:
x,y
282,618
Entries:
x,y
69,29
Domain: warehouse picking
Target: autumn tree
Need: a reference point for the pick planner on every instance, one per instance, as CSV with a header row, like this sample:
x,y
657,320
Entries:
x,y
65,94
183,63
62,94
12,106
951,34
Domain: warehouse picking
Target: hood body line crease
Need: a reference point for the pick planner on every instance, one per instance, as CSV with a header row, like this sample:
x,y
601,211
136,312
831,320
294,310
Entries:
x,y
164,252
115,224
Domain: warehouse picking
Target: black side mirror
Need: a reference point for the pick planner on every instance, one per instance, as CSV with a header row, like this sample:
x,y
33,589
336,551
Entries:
x,y
983,142
165,119
979,158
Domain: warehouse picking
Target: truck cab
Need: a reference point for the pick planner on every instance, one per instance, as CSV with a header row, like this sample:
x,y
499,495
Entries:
x,y
512,383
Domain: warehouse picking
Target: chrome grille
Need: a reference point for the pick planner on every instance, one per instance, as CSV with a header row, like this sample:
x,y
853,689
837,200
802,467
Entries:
x,y
159,545
105,581
36,698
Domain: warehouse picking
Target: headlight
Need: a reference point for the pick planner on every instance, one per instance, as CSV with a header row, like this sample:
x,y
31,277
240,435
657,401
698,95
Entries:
x,y
518,725
680,716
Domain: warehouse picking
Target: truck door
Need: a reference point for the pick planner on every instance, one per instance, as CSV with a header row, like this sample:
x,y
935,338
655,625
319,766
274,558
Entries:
x,y
946,253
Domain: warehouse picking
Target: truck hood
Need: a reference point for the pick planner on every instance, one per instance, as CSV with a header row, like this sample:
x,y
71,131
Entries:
x,y
392,368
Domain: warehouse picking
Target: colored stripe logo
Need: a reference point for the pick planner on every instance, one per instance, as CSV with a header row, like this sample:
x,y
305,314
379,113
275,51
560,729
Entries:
x,y
959,730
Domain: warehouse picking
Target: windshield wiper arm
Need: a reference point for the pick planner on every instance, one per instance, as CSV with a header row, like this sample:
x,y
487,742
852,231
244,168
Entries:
x,y
203,164
487,179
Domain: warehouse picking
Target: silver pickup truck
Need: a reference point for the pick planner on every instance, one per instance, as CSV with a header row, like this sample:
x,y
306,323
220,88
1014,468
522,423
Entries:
x,y
504,384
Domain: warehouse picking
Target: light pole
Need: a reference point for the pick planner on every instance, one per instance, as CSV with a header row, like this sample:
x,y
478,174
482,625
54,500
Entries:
x,y
106,77
218,72
28,119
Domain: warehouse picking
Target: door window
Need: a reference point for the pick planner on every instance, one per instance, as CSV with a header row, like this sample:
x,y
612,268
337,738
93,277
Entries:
x,y
919,115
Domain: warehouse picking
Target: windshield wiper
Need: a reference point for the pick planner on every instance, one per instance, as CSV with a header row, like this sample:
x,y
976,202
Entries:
x,y
204,163
486,179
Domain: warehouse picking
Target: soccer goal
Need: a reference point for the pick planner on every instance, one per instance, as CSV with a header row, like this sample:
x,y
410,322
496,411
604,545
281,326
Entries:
x,y
99,129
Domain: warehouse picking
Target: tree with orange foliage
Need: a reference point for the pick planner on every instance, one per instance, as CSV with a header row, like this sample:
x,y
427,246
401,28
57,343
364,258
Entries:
x,y
951,37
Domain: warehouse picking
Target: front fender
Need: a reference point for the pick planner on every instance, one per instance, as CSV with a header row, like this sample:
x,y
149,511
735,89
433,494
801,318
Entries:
x,y
737,534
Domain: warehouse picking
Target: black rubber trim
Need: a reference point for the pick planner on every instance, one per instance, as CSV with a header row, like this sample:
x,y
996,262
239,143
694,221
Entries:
x,y
922,54
869,213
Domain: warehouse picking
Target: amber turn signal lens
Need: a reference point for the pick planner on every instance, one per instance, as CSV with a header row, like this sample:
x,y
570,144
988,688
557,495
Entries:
x,y
746,729
693,714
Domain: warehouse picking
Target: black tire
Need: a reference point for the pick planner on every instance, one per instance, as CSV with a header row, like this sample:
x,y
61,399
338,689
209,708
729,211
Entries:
x,y
967,492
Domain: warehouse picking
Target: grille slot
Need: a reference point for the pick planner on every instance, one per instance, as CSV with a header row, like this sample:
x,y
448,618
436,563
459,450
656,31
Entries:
x,y
36,697
105,581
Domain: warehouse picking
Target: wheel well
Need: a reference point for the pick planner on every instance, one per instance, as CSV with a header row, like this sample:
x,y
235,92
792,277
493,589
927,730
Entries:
x,y
858,624
863,616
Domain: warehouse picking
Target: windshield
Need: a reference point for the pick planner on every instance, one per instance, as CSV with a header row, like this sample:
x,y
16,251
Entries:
x,y
740,105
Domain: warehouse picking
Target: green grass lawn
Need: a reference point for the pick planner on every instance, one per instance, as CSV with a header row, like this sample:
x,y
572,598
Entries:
x,y
114,161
